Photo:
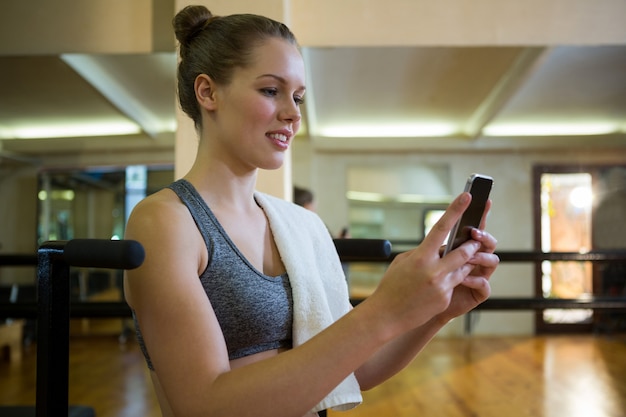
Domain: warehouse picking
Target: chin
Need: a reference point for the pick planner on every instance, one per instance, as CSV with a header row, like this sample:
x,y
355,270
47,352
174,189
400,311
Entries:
x,y
273,164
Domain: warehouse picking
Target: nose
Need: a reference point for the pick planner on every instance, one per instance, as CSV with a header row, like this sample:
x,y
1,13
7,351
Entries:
x,y
291,112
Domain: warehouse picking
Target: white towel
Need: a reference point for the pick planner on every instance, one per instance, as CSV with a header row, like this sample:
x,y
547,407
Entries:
x,y
320,291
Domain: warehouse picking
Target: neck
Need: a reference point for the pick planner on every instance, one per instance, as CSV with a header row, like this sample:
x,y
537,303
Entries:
x,y
221,187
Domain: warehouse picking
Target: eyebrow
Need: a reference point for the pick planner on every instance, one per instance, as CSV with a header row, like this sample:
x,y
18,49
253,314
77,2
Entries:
x,y
279,79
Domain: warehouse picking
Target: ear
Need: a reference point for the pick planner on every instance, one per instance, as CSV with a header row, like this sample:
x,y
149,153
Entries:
x,y
205,87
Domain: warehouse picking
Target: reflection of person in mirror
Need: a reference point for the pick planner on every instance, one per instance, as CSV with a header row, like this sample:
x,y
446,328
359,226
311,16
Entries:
x,y
305,198
609,216
609,230
241,306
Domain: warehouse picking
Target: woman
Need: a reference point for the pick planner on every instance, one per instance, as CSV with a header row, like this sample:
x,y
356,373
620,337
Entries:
x,y
241,306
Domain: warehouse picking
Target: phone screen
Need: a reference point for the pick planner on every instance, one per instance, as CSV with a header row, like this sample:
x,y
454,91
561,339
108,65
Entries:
x,y
479,186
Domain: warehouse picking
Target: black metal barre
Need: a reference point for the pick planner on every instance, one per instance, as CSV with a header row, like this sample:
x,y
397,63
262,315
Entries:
x,y
121,309
94,253
53,309
363,250
379,250
540,303
596,303
78,310
530,303
349,250
617,255
537,303
18,259
126,254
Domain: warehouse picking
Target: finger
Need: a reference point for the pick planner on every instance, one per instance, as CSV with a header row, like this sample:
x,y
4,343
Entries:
x,y
442,228
463,256
487,240
483,220
485,259
481,287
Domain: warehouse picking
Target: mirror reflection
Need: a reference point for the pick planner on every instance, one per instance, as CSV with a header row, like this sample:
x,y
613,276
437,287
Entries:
x,y
93,202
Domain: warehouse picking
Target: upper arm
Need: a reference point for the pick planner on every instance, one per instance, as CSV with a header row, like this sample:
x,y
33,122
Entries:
x,y
179,327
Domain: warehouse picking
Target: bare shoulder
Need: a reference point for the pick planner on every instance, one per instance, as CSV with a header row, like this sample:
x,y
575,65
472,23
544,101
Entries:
x,y
159,216
157,207
171,240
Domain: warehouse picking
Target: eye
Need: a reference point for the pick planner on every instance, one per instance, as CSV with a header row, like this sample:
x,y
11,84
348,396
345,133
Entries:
x,y
299,100
270,92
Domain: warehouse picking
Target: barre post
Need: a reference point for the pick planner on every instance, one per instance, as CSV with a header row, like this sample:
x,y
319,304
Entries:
x,y
54,261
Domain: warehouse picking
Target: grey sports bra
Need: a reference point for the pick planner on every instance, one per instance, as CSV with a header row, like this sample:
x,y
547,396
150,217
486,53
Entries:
x,y
255,311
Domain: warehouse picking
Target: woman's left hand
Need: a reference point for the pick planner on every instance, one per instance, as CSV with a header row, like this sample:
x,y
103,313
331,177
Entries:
x,y
475,288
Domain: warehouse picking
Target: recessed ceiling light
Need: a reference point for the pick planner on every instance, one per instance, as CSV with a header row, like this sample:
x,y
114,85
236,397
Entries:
x,y
551,129
392,130
70,130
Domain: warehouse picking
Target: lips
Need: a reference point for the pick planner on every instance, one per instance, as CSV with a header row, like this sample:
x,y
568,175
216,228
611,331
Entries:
x,y
279,136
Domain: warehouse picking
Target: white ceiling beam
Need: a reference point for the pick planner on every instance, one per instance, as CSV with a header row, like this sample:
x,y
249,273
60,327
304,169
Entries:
x,y
109,86
525,64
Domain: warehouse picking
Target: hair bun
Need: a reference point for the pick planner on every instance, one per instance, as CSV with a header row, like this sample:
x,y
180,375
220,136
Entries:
x,y
189,22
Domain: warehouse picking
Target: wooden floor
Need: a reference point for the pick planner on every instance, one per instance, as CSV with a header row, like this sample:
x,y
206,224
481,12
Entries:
x,y
573,376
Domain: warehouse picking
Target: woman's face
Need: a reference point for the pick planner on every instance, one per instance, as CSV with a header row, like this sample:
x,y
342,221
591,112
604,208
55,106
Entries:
x,y
258,113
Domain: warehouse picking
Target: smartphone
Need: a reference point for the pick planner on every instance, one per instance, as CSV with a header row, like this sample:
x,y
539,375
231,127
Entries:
x,y
479,186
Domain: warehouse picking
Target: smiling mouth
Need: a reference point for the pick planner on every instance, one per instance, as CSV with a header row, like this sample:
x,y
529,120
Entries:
x,y
279,136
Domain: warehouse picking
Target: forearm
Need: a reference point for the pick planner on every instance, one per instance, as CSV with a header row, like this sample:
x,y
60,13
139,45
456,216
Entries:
x,y
292,382
397,354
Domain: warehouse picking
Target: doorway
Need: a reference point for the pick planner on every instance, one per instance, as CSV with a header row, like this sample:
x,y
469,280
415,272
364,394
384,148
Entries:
x,y
579,209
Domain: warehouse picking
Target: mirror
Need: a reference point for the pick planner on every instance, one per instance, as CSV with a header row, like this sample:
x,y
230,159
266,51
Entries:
x,y
93,202
396,202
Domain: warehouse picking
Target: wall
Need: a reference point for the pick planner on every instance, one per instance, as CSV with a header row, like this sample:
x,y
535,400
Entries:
x,y
18,220
511,219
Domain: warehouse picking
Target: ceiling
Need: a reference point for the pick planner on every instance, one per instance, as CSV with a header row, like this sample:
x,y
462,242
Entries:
x,y
376,97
